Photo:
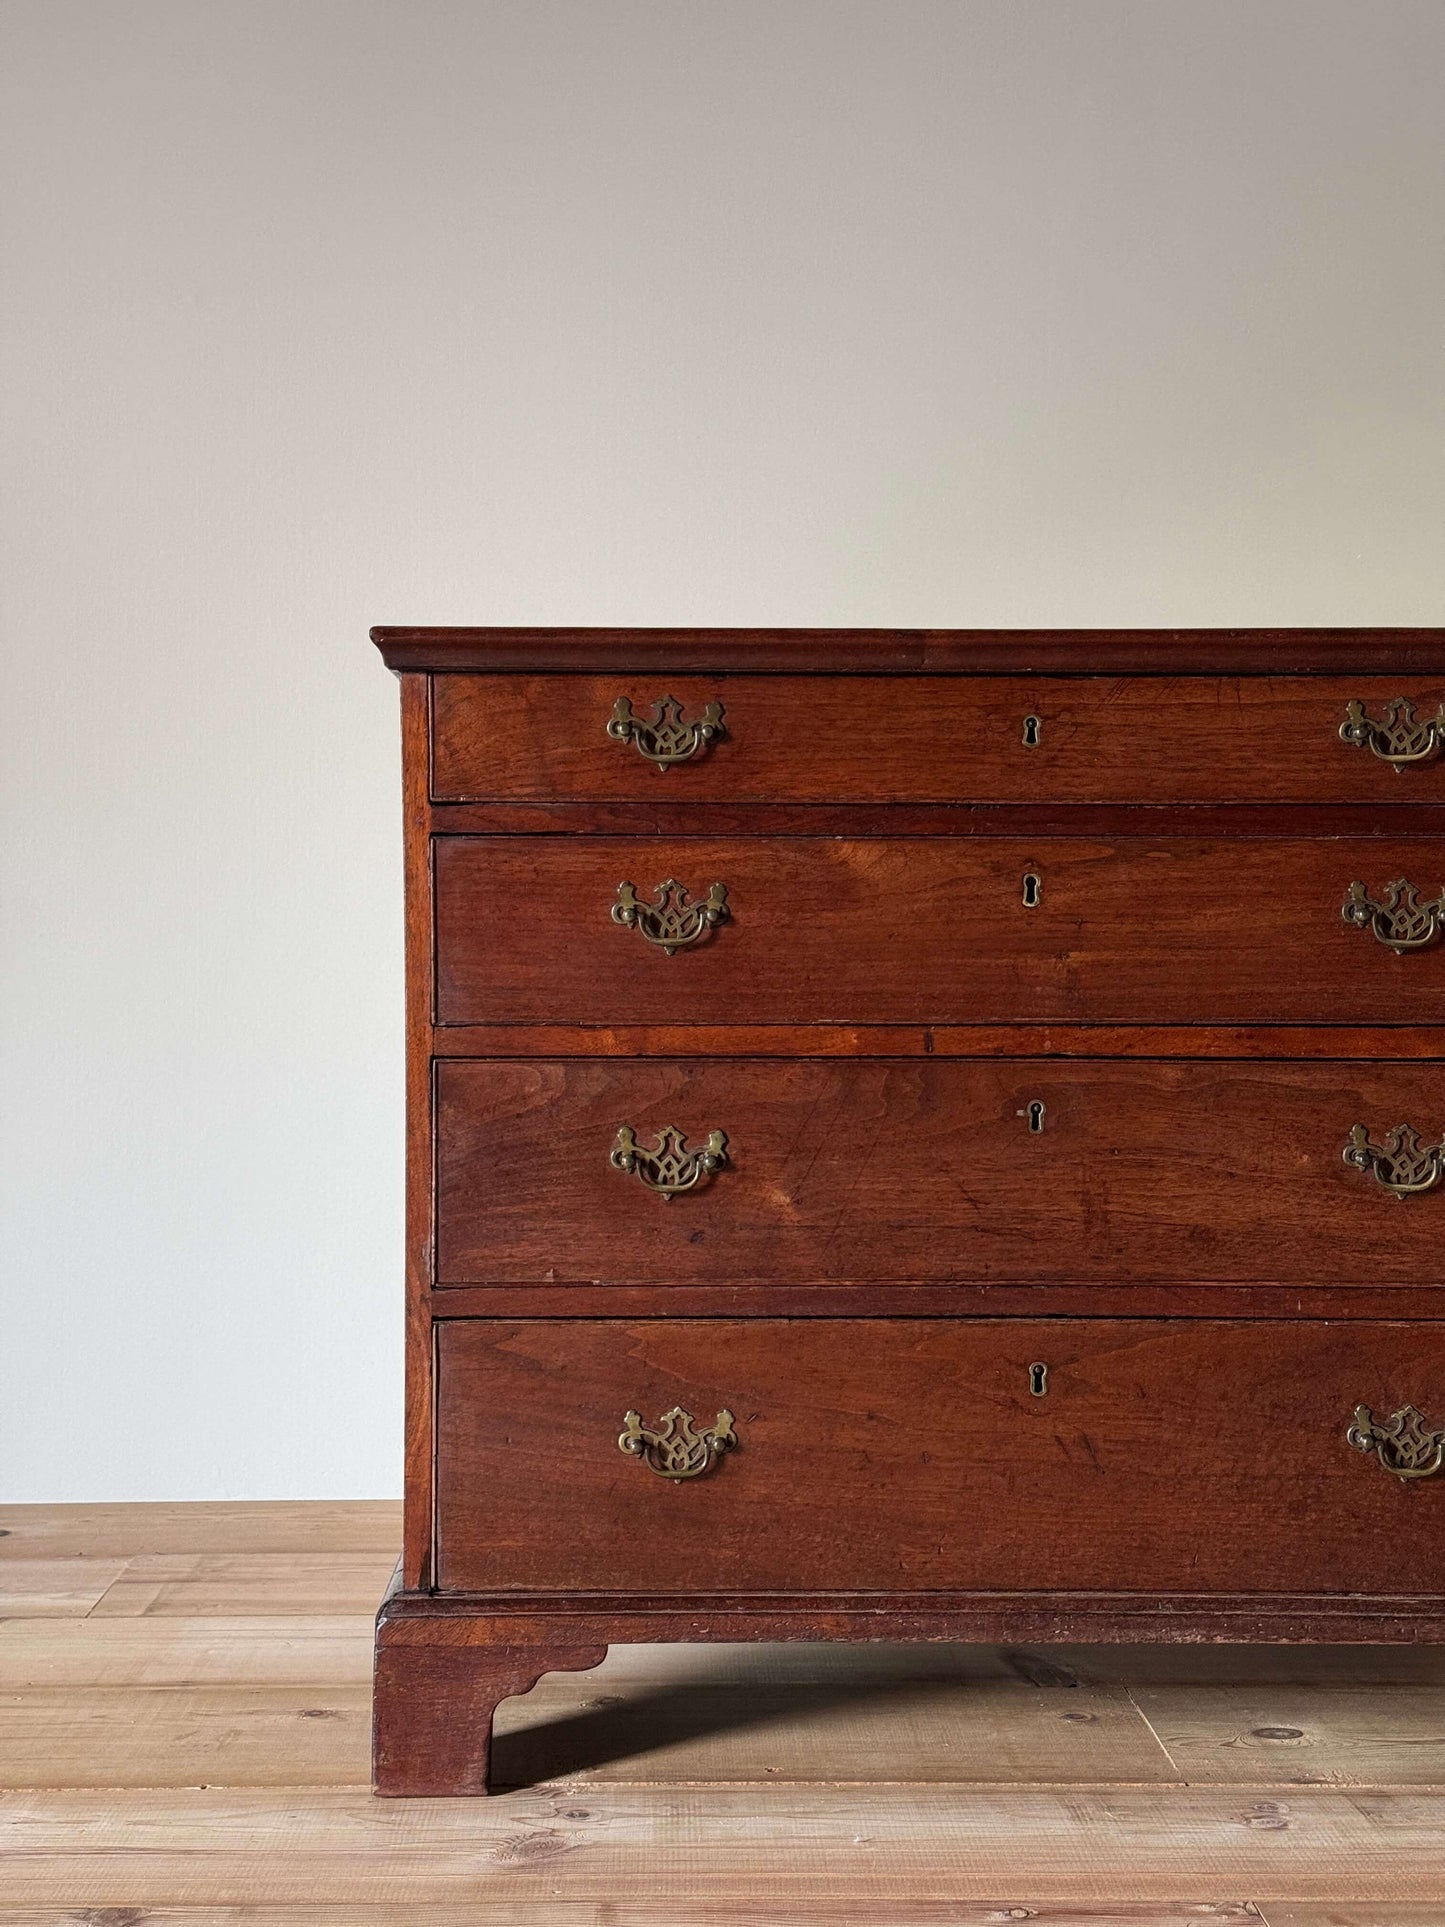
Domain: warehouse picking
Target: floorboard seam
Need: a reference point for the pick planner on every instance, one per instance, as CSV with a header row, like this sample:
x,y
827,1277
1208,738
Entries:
x,y
1174,1767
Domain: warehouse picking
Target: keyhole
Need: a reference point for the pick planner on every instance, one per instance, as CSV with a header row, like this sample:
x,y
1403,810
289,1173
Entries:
x,y
1039,1380
1035,1115
1032,726
1033,889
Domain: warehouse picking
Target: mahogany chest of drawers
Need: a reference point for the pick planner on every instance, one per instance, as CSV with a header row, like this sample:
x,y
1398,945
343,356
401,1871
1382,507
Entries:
x,y
912,1136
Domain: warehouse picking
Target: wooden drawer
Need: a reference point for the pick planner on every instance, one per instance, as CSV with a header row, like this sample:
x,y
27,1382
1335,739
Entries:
x,y
913,1453
881,739
898,930
878,1170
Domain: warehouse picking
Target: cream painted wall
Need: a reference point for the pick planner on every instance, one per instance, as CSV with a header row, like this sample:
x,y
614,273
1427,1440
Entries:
x,y
658,311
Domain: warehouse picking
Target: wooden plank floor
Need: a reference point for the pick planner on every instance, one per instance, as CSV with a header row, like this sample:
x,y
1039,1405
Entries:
x,y
184,1706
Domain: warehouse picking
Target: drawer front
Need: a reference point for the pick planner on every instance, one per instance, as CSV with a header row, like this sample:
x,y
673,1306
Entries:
x,y
797,930
914,1453
881,739
932,1170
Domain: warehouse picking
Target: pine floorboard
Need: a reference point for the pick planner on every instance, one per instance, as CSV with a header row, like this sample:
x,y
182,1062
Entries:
x,y
184,1710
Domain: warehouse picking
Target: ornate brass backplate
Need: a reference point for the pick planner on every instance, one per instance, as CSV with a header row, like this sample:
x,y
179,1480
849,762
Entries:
x,y
1399,1160
669,1167
1400,736
1397,916
672,920
675,1448
665,738
1404,1443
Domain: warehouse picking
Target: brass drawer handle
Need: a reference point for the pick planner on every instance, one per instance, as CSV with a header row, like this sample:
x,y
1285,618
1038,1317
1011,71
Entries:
x,y
672,920
676,1449
665,739
1399,1160
670,1167
1403,1443
1398,918
1400,737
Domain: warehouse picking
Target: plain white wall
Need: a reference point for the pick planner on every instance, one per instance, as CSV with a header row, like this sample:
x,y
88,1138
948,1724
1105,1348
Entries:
x,y
328,312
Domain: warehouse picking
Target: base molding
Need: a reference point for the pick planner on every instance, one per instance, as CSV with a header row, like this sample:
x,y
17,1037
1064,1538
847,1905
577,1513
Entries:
x,y
446,1661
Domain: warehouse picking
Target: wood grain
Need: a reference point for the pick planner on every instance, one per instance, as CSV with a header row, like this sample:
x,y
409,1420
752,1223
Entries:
x,y
299,1649
433,1703
925,1437
899,931
1337,1042
420,1249
751,1713
1352,1735
1357,1913
106,1706
124,1531
877,1170
632,1911
503,1618
671,815
877,801
956,1666
1032,1298
1174,652
921,739
861,1730
54,1588
201,1584
717,1845
242,1734
1299,1668
899,1727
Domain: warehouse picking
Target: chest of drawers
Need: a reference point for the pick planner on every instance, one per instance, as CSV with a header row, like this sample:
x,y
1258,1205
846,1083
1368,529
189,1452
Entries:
x,y
914,1136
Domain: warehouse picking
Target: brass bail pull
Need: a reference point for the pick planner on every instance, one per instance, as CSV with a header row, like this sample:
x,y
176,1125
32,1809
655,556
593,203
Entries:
x,y
1399,737
1399,918
669,1167
664,738
672,921
675,1448
1405,1443
1400,1160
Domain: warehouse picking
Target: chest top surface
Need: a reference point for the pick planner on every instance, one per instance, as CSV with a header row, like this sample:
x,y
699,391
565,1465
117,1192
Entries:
x,y
1180,652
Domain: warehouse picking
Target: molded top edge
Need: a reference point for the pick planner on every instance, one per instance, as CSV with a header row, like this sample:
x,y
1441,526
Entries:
x,y
917,651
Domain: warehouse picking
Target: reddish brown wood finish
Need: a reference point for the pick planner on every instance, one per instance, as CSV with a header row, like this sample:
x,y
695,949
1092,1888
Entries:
x,y
1340,1041
434,1696
672,816
1219,1447
624,1619
1169,652
890,1247
445,1661
416,1568
896,931
924,739
1033,1298
881,1170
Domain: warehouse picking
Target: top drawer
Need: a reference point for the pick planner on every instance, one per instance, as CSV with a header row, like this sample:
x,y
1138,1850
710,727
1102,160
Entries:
x,y
938,739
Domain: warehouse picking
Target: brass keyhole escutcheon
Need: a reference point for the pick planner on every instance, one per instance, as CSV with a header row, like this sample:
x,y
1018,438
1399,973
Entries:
x,y
1032,726
1033,889
1039,1381
1035,1112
